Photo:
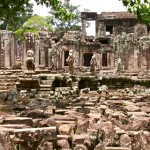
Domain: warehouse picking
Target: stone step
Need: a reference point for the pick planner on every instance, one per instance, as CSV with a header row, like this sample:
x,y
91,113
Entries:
x,y
35,134
62,137
65,122
137,114
117,148
89,104
8,130
7,83
18,120
14,126
44,89
44,86
61,111
64,118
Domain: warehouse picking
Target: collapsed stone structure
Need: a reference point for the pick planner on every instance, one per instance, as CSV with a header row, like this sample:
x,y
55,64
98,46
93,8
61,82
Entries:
x,y
105,109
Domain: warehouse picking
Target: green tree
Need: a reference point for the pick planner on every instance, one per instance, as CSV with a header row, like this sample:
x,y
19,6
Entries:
x,y
15,22
11,8
60,23
141,8
34,25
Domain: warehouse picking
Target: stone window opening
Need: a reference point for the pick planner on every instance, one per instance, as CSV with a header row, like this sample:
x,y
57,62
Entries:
x,y
109,30
104,60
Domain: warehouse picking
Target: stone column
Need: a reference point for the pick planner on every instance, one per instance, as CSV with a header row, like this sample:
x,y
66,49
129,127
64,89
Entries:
x,y
37,49
49,57
7,52
83,26
13,51
42,56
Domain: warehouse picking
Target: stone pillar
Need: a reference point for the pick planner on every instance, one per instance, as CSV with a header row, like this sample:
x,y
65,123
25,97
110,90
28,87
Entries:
x,y
81,59
13,51
83,26
37,49
42,56
24,55
100,61
49,57
108,60
7,52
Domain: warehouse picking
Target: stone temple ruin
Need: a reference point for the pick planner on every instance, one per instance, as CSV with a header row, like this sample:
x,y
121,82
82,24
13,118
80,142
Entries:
x,y
71,91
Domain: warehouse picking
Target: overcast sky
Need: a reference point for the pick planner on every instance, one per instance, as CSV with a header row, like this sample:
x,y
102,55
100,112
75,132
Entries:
x,y
93,5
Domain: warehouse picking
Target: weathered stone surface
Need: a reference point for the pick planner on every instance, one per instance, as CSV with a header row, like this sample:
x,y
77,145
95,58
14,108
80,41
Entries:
x,y
45,146
63,144
18,120
82,126
5,143
66,129
34,114
125,141
81,147
116,148
47,122
34,136
78,138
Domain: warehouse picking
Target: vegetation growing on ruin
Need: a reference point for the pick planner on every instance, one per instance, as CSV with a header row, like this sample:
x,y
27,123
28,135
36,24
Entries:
x,y
141,8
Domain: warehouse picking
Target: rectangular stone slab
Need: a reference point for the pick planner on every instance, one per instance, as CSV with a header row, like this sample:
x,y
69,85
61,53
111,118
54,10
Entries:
x,y
18,120
117,148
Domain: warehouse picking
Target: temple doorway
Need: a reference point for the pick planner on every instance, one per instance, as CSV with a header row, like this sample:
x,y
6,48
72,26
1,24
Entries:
x,y
104,60
46,56
66,54
87,58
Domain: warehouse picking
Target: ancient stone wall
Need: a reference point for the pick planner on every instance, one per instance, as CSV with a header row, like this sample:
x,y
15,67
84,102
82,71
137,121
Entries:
x,y
118,36
8,49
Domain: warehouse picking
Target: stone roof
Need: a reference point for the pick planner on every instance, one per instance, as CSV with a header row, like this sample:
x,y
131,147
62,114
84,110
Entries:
x,y
116,15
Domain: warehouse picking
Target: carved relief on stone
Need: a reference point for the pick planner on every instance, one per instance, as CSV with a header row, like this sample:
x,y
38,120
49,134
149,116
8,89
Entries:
x,y
93,64
70,61
144,46
140,30
17,64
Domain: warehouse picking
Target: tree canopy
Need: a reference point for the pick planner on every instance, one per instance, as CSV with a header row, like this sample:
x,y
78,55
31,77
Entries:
x,y
34,25
15,22
141,8
10,8
61,24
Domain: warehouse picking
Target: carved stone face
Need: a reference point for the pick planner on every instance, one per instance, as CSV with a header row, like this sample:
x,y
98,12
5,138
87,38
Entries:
x,y
70,52
30,53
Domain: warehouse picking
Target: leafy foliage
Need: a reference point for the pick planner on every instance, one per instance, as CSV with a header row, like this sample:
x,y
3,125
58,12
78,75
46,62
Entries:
x,y
15,22
141,8
60,22
34,24
11,8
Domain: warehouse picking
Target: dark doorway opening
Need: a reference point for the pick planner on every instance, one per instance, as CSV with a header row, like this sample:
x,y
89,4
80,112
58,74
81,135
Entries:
x,y
46,56
87,82
104,59
66,54
103,41
87,58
